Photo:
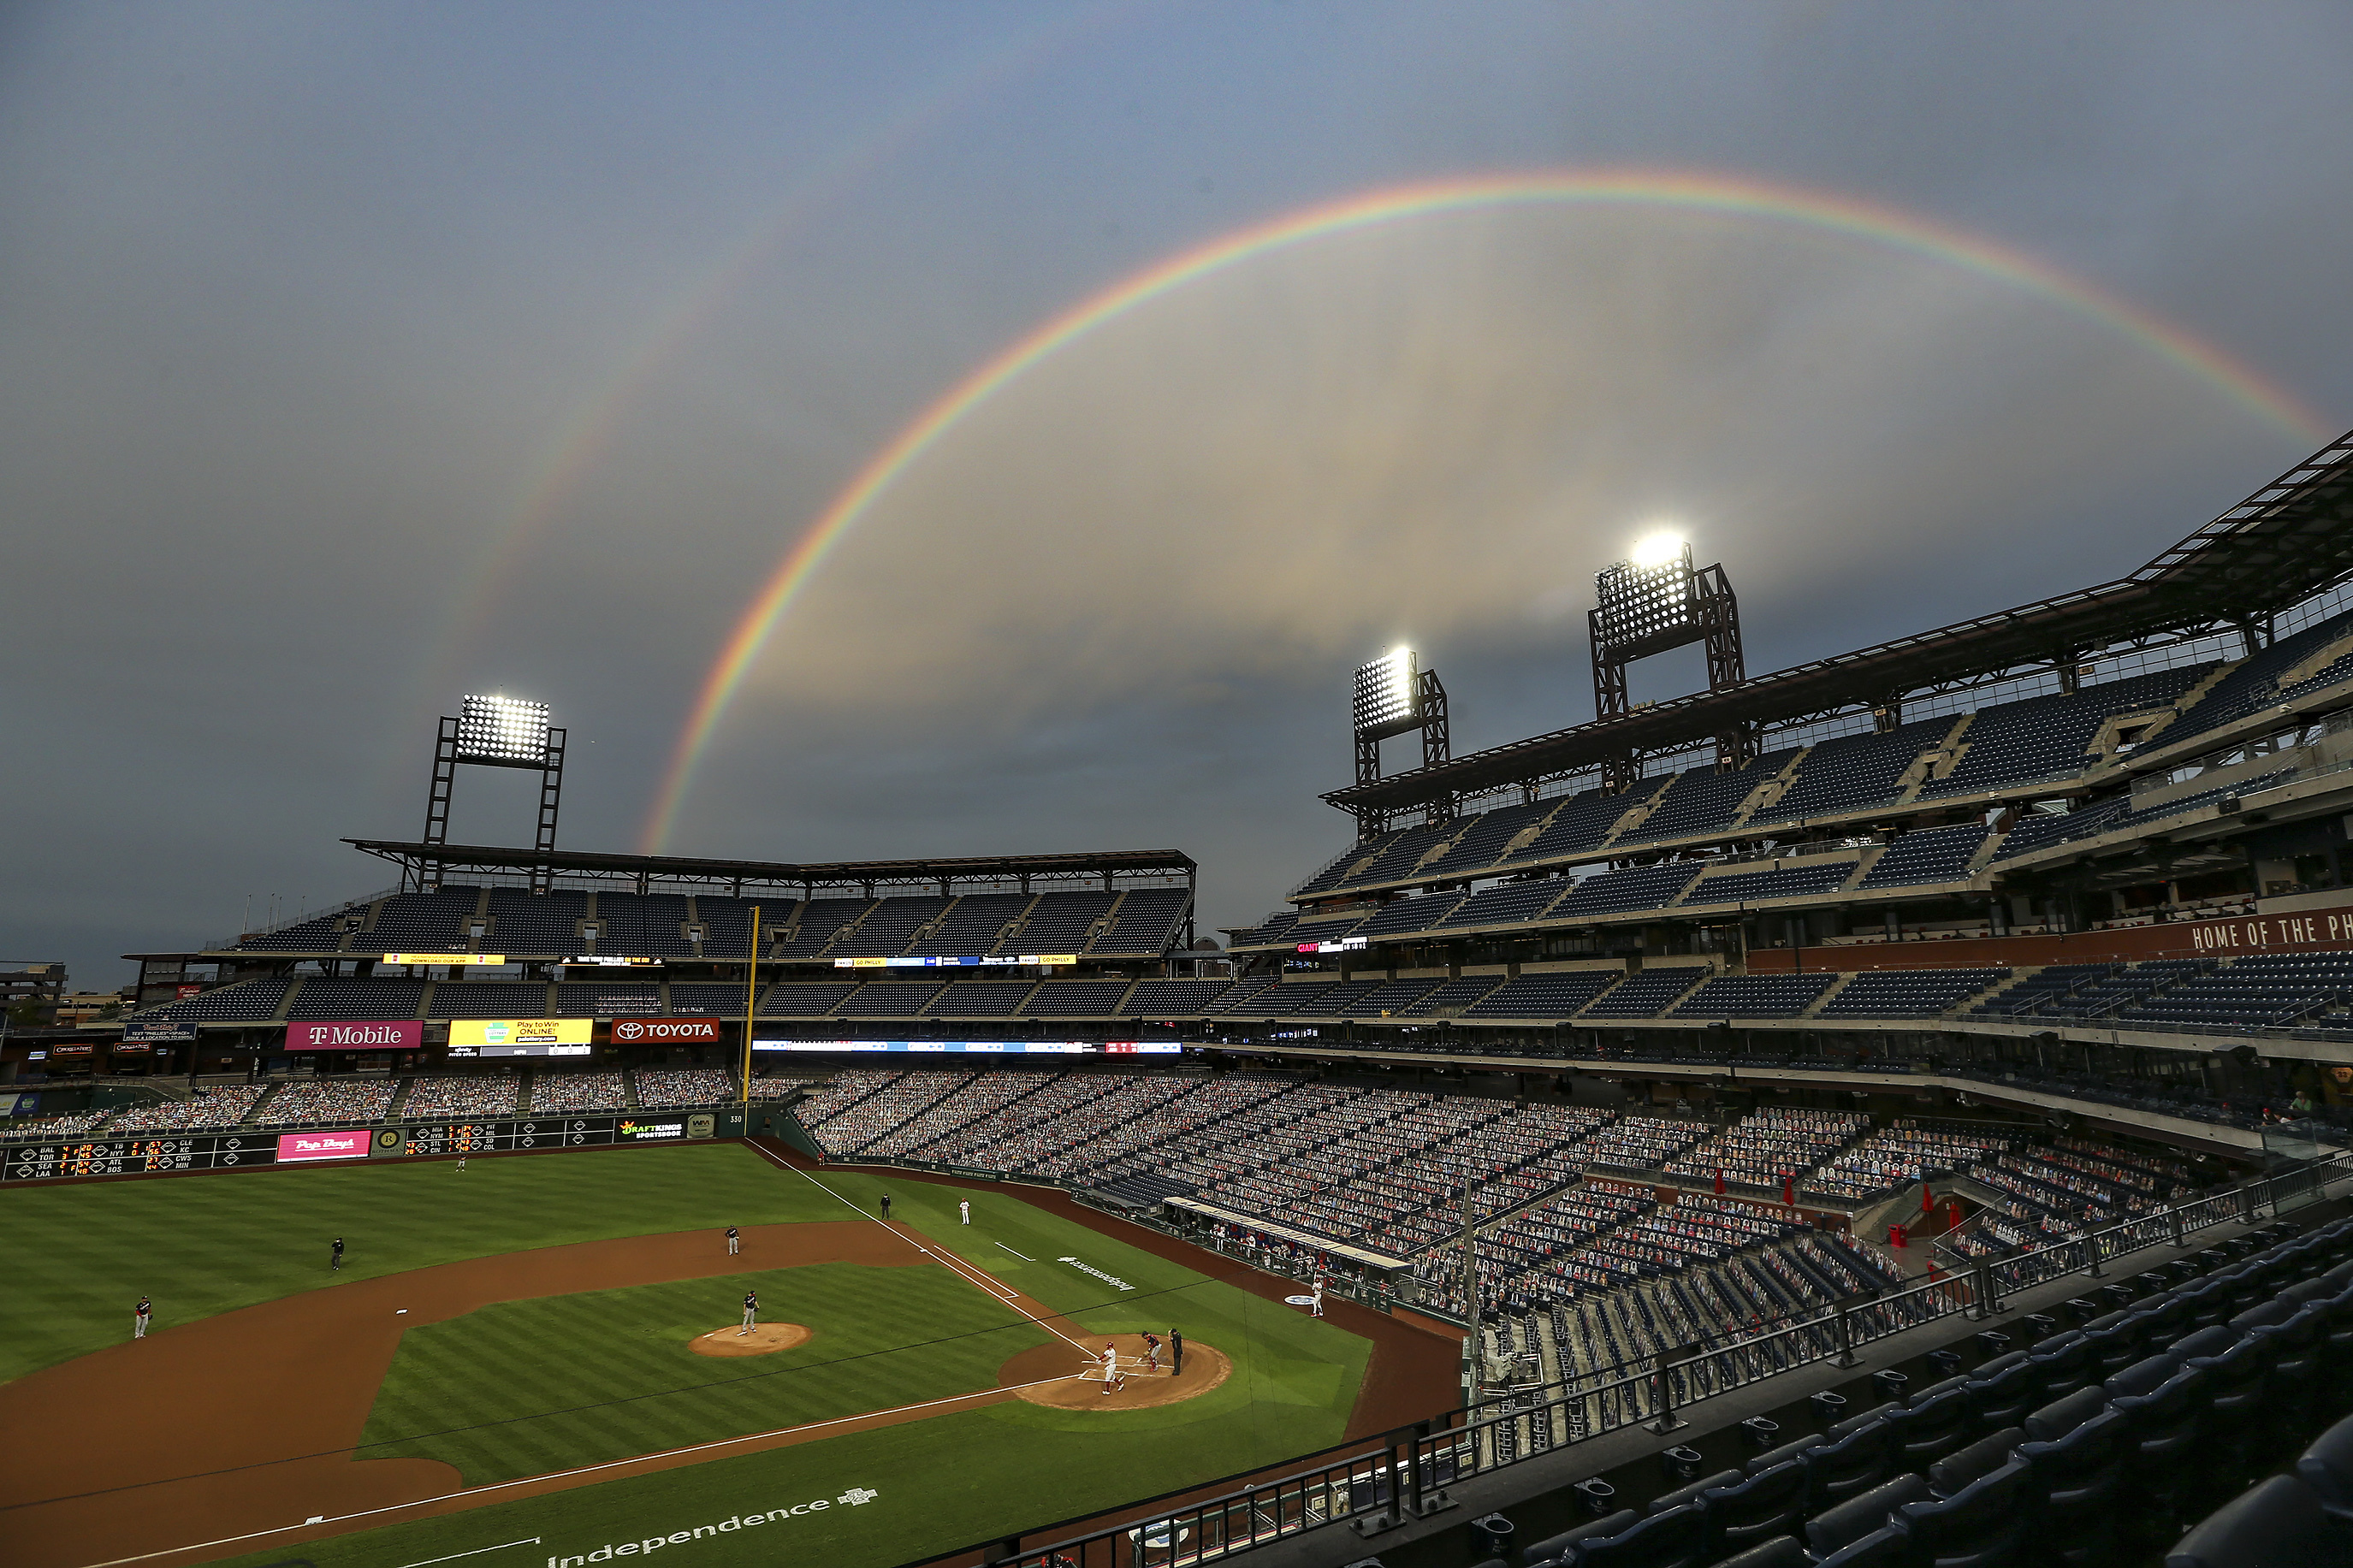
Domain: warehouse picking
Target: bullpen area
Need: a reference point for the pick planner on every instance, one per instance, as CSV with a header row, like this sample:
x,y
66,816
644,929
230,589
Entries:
x,y
544,1358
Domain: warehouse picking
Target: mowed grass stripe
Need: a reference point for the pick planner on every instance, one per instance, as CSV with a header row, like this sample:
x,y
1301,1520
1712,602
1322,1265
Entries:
x,y
963,1473
200,1245
497,1392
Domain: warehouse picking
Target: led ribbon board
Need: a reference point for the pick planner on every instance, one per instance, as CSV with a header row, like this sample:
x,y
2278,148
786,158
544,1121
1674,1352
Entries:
x,y
986,1047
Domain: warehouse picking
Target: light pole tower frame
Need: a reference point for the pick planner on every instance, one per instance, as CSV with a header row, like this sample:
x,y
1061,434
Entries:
x,y
1645,609
1393,697
492,731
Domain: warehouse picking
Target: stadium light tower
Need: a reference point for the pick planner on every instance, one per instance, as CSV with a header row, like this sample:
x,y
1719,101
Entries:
x,y
1653,602
494,732
1394,695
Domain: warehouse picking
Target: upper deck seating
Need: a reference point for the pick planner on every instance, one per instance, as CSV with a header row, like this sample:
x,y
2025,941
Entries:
x,y
1853,773
1909,993
2048,737
1931,855
1145,924
358,999
1705,799
1559,995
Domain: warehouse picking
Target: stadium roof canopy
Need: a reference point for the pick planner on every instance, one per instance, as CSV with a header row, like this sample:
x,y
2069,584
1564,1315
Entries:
x,y
2287,541
646,869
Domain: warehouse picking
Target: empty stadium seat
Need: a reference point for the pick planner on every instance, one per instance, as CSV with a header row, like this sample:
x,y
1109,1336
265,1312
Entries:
x,y
2279,1524
1980,1526
1844,1523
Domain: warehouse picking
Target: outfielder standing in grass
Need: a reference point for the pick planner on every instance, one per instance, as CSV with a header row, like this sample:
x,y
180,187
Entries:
x,y
751,1312
963,1205
338,1252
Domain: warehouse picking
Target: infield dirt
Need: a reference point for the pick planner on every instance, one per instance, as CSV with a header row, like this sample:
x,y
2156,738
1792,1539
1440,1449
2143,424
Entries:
x,y
763,1339
249,1420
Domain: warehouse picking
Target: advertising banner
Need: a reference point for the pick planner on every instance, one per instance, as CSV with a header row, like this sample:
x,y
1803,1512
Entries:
x,y
159,1029
986,1047
297,1147
649,1130
665,1031
1032,958
480,1032
356,1035
489,960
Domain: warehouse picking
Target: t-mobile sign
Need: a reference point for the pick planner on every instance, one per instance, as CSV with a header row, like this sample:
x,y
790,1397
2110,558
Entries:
x,y
310,1035
296,1147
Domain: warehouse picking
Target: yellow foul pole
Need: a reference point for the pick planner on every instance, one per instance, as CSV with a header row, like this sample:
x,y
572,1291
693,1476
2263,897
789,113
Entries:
x,y
751,996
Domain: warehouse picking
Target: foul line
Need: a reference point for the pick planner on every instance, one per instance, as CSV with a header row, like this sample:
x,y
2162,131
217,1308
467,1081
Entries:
x,y
969,1272
566,1475
1023,1256
477,1551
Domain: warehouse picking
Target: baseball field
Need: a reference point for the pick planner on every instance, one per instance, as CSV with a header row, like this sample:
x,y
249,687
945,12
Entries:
x,y
539,1358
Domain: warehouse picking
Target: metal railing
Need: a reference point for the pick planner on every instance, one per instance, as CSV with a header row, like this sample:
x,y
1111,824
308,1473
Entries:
x,y
1403,1475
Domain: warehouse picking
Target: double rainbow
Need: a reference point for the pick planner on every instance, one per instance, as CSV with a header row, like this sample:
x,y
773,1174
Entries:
x,y
1691,192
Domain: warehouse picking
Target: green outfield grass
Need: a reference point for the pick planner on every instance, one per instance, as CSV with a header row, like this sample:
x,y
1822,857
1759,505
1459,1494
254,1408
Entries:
x,y
938,1483
80,1255
616,1364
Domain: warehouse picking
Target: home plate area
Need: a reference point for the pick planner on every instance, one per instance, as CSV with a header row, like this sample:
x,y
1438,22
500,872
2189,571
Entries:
x,y
1063,1377
764,1339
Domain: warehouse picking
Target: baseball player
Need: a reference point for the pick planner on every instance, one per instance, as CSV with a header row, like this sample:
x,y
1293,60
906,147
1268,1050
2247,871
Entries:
x,y
964,1207
461,1162
751,1313
1152,1351
1315,1306
1110,1373
735,1241
338,1252
139,1316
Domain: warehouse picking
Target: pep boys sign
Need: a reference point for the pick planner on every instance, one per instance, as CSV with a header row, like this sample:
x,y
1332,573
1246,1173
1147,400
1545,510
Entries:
x,y
666,1031
406,1035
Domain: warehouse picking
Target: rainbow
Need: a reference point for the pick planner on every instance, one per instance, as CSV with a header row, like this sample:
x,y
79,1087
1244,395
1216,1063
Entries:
x,y
598,417
1747,198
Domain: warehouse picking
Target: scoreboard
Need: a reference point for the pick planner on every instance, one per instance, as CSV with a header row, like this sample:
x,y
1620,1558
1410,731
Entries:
x,y
553,1132
227,1151
136,1156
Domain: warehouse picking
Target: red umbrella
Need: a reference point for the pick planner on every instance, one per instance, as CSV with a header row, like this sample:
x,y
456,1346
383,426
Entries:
x,y
1719,1181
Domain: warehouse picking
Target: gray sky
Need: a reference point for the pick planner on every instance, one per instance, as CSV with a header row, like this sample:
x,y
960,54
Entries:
x,y
356,357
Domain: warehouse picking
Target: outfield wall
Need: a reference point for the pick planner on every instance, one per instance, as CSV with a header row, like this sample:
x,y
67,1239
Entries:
x,y
99,1159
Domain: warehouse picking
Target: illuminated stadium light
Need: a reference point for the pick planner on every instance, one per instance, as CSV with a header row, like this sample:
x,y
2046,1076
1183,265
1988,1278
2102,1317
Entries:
x,y
1384,691
502,730
1646,598
1657,549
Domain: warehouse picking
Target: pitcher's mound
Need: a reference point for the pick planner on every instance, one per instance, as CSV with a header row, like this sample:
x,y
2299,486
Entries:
x,y
1077,1380
766,1340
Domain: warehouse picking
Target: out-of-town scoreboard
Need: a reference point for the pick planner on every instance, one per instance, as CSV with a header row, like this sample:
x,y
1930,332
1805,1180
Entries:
x,y
132,1156
228,1150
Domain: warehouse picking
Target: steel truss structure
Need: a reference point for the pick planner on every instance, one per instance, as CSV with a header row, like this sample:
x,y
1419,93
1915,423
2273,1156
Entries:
x,y
1108,869
2289,541
451,749
1651,610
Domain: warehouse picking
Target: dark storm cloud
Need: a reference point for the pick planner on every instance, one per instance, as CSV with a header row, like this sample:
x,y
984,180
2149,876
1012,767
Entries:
x,y
299,309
